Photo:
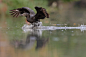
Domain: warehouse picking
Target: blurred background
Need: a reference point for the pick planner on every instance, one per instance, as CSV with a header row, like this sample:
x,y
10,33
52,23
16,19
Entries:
x,y
14,42
71,12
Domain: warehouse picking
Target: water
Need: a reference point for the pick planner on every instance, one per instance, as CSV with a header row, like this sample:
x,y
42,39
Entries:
x,y
58,42
62,36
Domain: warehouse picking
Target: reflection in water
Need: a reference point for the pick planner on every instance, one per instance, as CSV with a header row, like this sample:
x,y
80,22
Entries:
x,y
61,43
34,37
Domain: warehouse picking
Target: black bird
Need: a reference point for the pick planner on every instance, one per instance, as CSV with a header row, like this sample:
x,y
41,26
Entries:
x,y
30,14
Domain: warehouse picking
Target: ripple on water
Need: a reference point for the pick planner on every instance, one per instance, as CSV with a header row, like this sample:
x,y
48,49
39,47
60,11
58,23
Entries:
x,y
55,39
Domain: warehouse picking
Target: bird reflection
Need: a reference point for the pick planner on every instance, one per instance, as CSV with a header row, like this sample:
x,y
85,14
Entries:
x,y
41,42
35,37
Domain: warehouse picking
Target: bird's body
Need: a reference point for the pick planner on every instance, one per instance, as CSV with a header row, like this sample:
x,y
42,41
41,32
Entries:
x,y
30,14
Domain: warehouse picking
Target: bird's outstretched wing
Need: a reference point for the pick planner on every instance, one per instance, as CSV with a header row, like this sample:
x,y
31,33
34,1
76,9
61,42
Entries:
x,y
41,13
21,11
45,12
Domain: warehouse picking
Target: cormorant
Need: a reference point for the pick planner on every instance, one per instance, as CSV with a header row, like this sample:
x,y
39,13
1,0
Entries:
x,y
30,14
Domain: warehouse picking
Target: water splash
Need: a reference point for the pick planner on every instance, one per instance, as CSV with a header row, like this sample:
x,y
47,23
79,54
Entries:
x,y
29,27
